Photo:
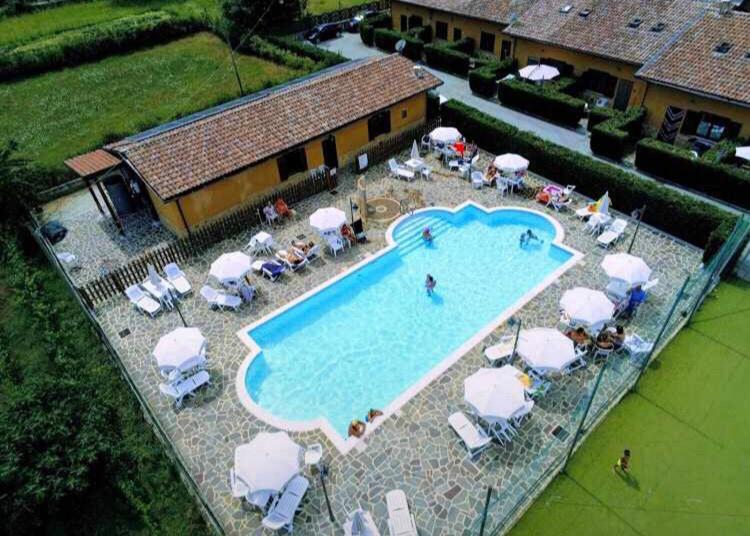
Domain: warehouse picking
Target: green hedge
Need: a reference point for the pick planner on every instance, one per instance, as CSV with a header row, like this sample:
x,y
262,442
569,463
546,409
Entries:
x,y
543,100
692,220
681,167
482,79
368,26
262,48
300,48
447,59
613,137
386,39
423,33
94,42
465,45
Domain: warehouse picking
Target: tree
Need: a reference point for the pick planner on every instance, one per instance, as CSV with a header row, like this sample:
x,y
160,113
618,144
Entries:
x,y
251,16
18,193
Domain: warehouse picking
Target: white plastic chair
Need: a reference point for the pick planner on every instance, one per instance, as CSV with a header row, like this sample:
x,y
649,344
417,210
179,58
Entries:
x,y
313,454
182,389
335,244
501,183
425,144
220,300
473,437
398,171
142,301
400,520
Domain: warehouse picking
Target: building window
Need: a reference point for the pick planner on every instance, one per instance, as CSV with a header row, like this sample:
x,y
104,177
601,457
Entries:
x,y
404,113
441,30
404,23
599,82
487,42
415,21
710,126
295,161
457,35
378,124
505,49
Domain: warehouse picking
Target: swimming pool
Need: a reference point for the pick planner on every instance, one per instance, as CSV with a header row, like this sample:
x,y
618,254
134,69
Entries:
x,y
371,338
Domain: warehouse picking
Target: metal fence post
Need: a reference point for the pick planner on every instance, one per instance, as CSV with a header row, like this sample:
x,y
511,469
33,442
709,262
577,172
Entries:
x,y
486,509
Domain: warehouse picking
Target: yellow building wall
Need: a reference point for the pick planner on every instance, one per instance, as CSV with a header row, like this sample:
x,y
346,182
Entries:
x,y
221,197
659,97
582,62
469,27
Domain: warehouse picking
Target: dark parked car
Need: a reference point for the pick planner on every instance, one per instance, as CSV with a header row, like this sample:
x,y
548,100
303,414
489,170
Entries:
x,y
323,31
352,24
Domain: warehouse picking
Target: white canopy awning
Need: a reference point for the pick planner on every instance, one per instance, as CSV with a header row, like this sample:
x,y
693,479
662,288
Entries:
x,y
511,163
326,219
445,135
495,393
538,73
743,152
588,307
625,267
268,462
545,349
179,347
230,267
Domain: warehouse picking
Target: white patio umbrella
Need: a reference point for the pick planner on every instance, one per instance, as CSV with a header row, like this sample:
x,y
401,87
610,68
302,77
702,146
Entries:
x,y
545,348
230,267
538,73
494,393
742,152
511,163
588,307
625,267
178,347
325,219
414,151
445,135
268,462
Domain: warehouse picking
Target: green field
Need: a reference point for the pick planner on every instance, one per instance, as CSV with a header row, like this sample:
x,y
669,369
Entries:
x,y
64,113
687,429
321,6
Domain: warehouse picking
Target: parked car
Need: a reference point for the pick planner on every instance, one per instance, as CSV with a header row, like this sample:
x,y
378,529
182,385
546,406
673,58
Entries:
x,y
323,32
352,24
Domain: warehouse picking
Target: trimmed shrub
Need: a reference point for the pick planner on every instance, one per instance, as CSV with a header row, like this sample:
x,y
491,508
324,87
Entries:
x,y
612,138
447,59
545,101
386,39
465,45
482,80
599,115
91,43
433,105
423,33
306,50
259,46
368,26
681,167
692,220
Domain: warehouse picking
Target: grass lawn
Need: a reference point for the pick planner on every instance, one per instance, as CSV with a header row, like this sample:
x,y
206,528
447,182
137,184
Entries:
x,y
686,428
60,114
30,26
321,6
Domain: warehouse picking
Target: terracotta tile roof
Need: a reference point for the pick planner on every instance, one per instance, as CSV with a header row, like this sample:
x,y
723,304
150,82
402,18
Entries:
x,y
691,62
490,10
91,163
185,155
605,31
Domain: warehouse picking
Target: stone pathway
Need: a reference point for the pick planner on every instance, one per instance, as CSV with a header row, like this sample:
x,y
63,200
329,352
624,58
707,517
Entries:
x,y
415,450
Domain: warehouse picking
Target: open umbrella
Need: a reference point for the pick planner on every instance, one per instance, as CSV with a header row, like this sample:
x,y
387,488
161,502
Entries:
x,y
268,462
742,152
494,393
178,347
625,267
511,163
445,135
538,73
230,267
545,348
325,219
588,307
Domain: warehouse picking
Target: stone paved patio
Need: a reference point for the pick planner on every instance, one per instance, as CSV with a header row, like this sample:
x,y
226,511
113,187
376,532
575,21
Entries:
x,y
414,450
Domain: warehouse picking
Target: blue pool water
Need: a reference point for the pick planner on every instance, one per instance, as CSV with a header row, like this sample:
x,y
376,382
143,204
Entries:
x,y
364,340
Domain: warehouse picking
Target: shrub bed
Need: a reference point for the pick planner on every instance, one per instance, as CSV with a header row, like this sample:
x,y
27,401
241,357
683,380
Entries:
x,y
368,26
482,79
612,138
447,59
694,221
681,167
94,42
545,100
386,39
300,48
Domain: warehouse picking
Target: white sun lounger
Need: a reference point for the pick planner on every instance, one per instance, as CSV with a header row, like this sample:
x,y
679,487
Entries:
x,y
177,278
282,256
179,390
400,520
142,301
398,171
474,438
281,514
220,299
613,233
498,353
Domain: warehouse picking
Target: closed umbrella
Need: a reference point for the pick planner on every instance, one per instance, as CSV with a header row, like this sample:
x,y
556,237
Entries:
x,y
325,219
493,393
153,276
230,267
625,267
179,347
545,348
742,152
539,73
268,462
586,306
414,151
511,163
445,135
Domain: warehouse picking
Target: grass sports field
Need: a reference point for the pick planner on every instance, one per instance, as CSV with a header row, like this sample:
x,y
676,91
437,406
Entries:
x,y
63,113
687,430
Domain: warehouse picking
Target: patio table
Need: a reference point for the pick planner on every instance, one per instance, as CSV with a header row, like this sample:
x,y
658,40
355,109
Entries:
x,y
415,164
264,242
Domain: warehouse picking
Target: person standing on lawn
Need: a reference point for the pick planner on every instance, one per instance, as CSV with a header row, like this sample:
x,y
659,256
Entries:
x,y
623,462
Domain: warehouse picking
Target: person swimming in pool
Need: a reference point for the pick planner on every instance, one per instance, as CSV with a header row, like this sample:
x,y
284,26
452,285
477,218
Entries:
x,y
527,237
430,284
427,235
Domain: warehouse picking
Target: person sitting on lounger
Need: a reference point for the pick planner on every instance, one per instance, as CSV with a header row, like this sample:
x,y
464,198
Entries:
x,y
430,284
357,428
304,248
348,234
490,175
282,209
427,235
617,337
604,340
293,258
372,414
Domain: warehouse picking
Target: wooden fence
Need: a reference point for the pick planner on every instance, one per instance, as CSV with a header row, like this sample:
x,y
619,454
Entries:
x,y
135,271
381,151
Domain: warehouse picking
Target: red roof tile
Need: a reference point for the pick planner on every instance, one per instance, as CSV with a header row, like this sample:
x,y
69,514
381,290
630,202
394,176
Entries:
x,y
91,163
490,10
